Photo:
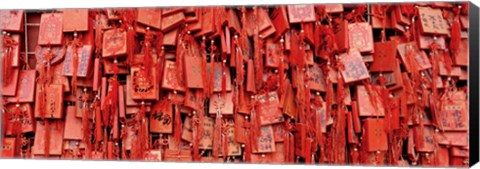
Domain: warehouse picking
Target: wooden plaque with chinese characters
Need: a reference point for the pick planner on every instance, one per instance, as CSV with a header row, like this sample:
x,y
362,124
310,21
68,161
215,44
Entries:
x,y
233,147
114,43
53,107
58,77
51,29
161,119
273,53
56,138
432,21
193,71
375,135
26,84
143,87
206,142
425,41
217,86
8,148
384,57
269,108
428,144
360,37
355,69
150,17
321,118
453,116
84,61
171,79
59,53
12,20
76,20
301,13
221,104
266,141
316,80
26,118
365,105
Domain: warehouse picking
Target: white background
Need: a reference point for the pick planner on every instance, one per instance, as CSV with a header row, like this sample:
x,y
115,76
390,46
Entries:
x,y
67,164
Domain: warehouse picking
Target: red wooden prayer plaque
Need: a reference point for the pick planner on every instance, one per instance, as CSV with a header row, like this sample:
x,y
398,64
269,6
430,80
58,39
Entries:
x,y
217,86
193,71
233,147
301,13
12,20
84,55
26,118
278,132
365,105
425,41
9,87
8,148
266,141
342,36
172,20
428,141
269,109
51,29
76,20
280,21
53,107
221,104
58,78
453,115
263,21
461,57
206,142
56,138
171,79
153,155
41,52
384,57
73,125
161,118
177,156
150,17
334,8
273,53
26,85
143,87
289,105
114,43
355,68
321,118
432,21
360,37
316,79
375,135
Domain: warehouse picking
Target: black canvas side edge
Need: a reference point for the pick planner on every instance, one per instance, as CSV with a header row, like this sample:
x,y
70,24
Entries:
x,y
473,84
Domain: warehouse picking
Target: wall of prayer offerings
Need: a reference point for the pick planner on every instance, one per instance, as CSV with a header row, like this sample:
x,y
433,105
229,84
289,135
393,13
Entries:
x,y
348,84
